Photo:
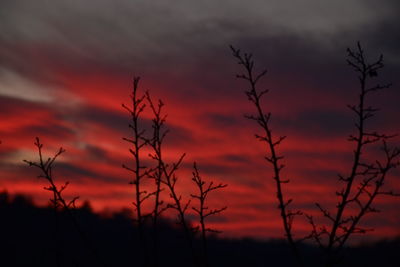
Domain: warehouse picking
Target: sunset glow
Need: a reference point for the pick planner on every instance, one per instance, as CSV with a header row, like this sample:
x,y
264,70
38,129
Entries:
x,y
63,78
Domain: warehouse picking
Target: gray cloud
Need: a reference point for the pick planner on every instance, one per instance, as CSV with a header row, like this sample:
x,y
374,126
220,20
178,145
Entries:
x,y
301,44
314,123
123,31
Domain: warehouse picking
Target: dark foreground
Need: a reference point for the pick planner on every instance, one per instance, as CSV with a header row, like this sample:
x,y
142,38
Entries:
x,y
33,236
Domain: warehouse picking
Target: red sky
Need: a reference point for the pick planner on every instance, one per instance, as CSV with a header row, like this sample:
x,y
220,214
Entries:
x,y
63,78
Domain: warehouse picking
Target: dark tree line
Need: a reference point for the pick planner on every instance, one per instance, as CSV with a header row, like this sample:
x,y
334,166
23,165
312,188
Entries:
x,y
27,240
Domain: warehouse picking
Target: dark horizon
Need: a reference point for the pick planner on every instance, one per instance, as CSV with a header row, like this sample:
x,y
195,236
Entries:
x,y
29,231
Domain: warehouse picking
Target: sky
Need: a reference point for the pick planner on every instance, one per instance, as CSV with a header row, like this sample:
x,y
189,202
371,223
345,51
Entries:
x,y
67,66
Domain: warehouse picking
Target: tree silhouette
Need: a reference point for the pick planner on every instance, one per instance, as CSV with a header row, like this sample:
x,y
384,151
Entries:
x,y
58,201
202,210
367,176
262,118
46,168
139,171
166,173
156,142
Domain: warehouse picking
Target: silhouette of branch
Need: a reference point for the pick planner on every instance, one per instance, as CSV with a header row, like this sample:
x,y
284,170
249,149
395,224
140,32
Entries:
x,y
202,210
156,142
46,168
139,171
316,234
58,201
165,173
390,156
370,177
254,95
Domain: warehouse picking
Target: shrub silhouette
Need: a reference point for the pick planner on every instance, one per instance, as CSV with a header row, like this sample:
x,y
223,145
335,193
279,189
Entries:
x,y
164,174
366,177
203,211
156,143
262,118
58,202
139,171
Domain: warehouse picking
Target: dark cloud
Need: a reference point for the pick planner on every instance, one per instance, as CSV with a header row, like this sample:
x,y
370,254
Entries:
x,y
11,105
237,159
42,118
317,123
97,153
239,174
128,35
222,120
50,129
117,121
5,153
73,173
121,38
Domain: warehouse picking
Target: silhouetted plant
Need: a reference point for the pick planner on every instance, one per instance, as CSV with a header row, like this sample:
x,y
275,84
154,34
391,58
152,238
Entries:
x,y
202,210
58,201
366,177
168,177
156,142
178,204
46,168
139,171
255,96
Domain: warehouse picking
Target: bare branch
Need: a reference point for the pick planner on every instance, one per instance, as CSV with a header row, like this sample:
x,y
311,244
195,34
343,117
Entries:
x,y
262,118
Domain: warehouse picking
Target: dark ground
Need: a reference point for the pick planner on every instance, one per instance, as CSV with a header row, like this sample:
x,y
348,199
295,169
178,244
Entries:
x,y
29,237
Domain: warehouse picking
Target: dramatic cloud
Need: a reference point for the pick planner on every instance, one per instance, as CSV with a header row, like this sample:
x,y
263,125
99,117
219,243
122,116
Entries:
x,y
66,67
